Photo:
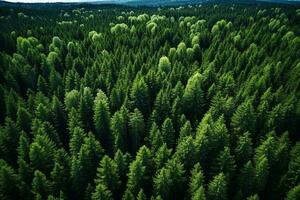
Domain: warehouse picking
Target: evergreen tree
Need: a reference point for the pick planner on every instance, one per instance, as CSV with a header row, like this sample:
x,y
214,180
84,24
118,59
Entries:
x,y
107,175
136,130
9,135
217,188
168,182
140,95
196,181
119,130
9,182
41,187
102,121
247,179
193,97
243,150
101,192
243,119
168,132
24,119
293,194
41,153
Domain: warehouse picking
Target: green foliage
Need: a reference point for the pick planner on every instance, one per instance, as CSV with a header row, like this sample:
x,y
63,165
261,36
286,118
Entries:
x,y
140,96
136,130
164,64
40,185
217,188
293,193
102,192
107,174
193,97
243,119
184,102
168,183
41,153
9,182
102,121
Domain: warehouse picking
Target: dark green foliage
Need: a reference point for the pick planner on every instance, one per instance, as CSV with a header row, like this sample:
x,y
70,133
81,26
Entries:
x,y
168,182
9,136
136,130
9,182
102,121
118,102
107,174
140,96
293,193
102,192
217,188
41,187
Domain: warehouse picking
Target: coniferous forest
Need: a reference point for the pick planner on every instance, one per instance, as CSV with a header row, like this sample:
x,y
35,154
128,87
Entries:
x,y
114,102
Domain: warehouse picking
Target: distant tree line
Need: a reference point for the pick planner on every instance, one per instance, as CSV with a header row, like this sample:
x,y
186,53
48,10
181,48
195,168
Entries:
x,y
194,102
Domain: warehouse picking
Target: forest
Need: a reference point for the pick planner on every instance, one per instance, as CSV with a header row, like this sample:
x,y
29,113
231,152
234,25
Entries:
x,y
145,103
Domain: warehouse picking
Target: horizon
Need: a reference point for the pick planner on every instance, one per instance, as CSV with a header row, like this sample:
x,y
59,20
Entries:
x,y
87,1
51,1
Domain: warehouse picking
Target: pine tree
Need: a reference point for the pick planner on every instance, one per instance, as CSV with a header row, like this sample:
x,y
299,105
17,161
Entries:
x,y
23,148
136,130
168,132
102,121
168,182
294,193
84,167
247,179
119,130
9,182
217,188
243,150
9,136
76,140
185,130
164,64
11,105
262,173
135,176
225,163
40,185
60,172
196,181
74,120
243,119
86,108
140,95
292,176
72,99
59,119
141,195
186,153
162,105
101,192
107,175
163,154
41,153
128,195
155,138
199,194
24,119
193,97
143,164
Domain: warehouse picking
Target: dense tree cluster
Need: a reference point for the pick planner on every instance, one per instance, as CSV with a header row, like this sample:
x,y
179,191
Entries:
x,y
198,102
